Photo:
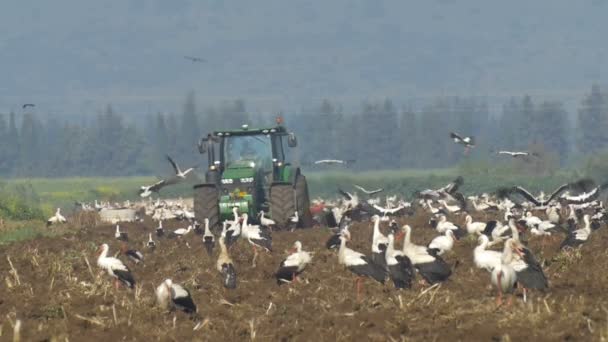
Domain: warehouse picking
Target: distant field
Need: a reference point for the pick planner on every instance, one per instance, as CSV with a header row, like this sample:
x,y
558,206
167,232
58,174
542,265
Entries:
x,y
54,192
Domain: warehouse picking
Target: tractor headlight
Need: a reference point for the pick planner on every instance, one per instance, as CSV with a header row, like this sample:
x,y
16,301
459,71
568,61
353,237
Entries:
x,y
227,181
247,180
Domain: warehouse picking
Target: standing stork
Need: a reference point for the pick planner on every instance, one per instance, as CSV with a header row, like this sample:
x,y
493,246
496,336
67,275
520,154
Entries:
x,y
169,294
115,267
443,243
379,243
293,265
399,266
225,266
57,218
503,276
256,236
266,222
208,238
160,231
151,243
123,236
359,264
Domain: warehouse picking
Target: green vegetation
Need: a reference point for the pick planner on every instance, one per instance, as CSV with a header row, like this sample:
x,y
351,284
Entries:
x,y
406,182
32,230
50,193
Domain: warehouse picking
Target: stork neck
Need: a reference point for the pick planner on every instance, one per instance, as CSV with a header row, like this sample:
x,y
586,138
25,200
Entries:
x,y
507,253
390,248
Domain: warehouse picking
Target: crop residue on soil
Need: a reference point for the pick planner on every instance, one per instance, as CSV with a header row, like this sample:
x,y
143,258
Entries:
x,y
56,295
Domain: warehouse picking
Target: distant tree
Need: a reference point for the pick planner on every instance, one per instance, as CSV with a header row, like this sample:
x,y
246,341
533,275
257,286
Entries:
x,y
189,131
507,125
29,145
5,147
550,128
593,122
409,139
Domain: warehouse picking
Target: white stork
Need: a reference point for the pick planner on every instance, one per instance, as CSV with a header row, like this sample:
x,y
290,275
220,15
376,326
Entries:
x,y
359,264
293,265
225,266
503,276
178,172
256,236
208,238
57,218
169,294
115,267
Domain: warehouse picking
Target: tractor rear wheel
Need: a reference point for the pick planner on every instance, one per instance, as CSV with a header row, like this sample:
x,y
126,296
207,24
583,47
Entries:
x,y
282,204
303,202
285,201
206,205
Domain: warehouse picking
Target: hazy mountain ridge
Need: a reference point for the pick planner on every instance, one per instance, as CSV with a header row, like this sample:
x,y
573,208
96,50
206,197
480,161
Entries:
x,y
67,54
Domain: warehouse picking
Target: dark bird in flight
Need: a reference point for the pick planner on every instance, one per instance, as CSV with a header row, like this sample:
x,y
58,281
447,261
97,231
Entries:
x,y
467,142
195,59
25,105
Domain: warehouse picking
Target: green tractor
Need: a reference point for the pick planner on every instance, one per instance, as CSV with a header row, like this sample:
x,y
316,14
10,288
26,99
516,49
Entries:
x,y
249,169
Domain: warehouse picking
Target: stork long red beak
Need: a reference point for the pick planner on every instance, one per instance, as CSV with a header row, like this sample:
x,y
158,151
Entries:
x,y
400,235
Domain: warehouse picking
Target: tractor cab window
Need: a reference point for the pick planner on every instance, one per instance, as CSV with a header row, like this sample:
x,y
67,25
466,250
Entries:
x,y
246,149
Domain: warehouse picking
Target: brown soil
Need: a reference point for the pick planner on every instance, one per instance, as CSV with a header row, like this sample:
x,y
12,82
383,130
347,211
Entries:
x,y
58,297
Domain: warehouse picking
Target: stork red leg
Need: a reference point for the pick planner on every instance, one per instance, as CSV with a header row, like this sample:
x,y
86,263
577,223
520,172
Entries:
x,y
358,284
499,297
255,256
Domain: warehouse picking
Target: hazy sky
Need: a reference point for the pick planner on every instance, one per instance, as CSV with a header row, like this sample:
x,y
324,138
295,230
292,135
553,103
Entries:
x,y
73,55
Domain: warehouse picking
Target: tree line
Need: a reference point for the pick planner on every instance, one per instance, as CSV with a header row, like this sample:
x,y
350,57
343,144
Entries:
x,y
379,135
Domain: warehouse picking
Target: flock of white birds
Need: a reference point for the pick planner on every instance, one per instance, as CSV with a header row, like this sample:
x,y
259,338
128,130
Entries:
x,y
574,210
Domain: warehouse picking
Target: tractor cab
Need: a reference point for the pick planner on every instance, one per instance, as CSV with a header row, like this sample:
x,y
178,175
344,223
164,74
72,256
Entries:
x,y
244,166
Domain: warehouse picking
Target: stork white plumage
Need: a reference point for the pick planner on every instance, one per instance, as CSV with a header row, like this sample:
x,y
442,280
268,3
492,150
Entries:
x,y
57,218
334,162
264,221
208,238
474,227
467,142
123,236
503,276
399,265
225,266
256,236
114,267
485,259
160,231
578,237
180,232
449,207
151,243
359,264
517,154
379,243
293,265
169,295
430,265
178,172
368,192
443,243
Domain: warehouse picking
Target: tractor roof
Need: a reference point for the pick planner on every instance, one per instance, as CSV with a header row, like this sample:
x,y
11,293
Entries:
x,y
245,130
